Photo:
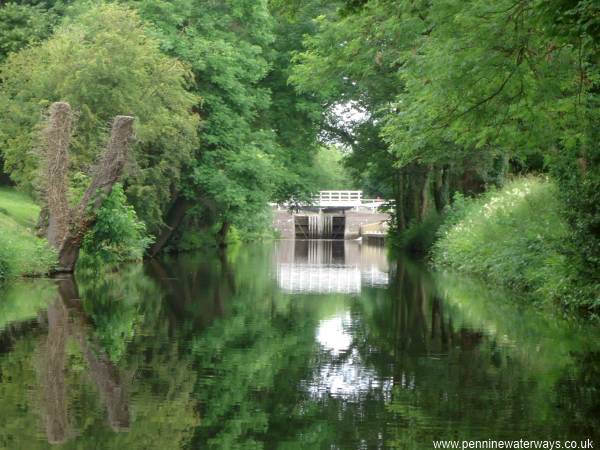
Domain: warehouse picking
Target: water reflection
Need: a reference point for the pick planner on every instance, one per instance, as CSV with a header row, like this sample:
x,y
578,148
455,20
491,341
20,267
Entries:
x,y
66,318
342,372
213,351
334,266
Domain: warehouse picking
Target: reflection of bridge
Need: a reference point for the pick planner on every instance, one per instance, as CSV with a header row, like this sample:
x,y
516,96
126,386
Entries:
x,y
330,266
328,279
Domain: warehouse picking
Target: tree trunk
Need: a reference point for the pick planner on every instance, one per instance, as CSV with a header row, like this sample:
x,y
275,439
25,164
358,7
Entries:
x,y
55,137
52,378
110,382
222,234
399,201
441,187
107,173
174,217
424,192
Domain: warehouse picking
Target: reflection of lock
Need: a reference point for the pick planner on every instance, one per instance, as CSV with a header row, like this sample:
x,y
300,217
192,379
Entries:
x,y
327,266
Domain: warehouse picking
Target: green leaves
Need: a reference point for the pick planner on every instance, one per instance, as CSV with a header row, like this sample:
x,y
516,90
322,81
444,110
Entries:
x,y
118,235
103,63
23,24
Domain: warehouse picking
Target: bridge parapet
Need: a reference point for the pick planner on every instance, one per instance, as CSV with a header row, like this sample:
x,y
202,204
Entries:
x,y
339,199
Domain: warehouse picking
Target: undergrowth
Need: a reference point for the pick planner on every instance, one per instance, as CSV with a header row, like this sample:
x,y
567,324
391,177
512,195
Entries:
x,y
419,237
117,235
514,236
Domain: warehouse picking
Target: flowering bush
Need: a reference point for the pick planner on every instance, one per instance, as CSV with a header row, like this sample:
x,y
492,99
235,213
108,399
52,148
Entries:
x,y
514,236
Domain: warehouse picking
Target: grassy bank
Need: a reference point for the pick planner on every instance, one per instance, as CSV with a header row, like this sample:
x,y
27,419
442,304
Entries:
x,y
514,237
21,252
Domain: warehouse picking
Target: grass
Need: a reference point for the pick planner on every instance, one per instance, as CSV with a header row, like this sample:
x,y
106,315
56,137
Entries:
x,y
513,237
22,253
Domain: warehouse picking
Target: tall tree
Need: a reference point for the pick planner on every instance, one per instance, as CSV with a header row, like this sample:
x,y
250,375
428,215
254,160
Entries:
x,y
353,65
104,63
258,133
294,117
514,78
224,43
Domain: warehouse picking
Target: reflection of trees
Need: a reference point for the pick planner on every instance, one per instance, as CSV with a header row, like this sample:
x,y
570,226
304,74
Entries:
x,y
197,285
461,362
67,318
578,394
82,345
53,377
132,322
450,375
445,381
117,303
242,354
20,305
212,355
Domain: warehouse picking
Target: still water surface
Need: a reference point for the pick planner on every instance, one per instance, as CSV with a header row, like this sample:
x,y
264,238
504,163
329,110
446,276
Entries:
x,y
291,345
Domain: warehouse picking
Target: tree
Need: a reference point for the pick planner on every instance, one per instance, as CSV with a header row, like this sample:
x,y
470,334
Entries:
x,y
294,117
328,170
258,133
453,92
352,65
104,63
490,78
25,23
224,43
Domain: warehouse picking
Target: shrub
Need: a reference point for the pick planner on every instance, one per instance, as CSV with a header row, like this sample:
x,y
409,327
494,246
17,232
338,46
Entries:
x,y
118,235
420,236
514,236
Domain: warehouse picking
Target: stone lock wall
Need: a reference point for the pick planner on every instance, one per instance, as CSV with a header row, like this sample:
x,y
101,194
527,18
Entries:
x,y
354,220
283,222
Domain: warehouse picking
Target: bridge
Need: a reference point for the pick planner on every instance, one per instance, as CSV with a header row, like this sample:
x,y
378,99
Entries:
x,y
345,199
332,215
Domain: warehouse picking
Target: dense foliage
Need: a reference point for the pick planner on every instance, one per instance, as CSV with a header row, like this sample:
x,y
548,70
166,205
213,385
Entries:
x,y
514,237
247,147
104,64
329,172
451,96
117,235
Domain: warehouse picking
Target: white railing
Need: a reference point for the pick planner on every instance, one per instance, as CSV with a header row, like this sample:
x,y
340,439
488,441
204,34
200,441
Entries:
x,y
342,199
338,198
340,195
372,203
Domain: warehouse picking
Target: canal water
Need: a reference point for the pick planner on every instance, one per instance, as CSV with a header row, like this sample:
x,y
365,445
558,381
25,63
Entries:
x,y
291,345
